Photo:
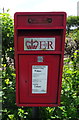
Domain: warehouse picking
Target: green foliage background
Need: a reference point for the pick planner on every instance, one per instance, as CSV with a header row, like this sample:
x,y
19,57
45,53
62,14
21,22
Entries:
x,y
69,109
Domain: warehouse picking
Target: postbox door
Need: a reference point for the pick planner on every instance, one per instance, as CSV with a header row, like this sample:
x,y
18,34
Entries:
x,y
46,88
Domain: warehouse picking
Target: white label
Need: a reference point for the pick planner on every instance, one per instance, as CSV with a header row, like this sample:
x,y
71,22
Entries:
x,y
39,78
39,43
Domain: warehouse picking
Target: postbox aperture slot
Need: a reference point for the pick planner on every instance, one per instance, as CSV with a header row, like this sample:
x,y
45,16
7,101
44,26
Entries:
x,y
38,35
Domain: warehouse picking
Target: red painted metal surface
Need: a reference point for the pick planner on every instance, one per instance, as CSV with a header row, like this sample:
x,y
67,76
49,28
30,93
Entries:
x,y
39,25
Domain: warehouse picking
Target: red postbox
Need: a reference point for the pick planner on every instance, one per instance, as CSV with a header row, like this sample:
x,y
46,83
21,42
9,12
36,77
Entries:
x,y
39,49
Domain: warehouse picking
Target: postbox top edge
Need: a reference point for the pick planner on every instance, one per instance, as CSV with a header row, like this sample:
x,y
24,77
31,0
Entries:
x,y
40,13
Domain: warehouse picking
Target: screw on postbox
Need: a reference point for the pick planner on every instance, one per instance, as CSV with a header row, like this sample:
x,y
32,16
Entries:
x,y
29,20
49,20
39,39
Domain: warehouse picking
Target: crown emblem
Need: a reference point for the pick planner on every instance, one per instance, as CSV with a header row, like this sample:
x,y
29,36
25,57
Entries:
x,y
33,44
